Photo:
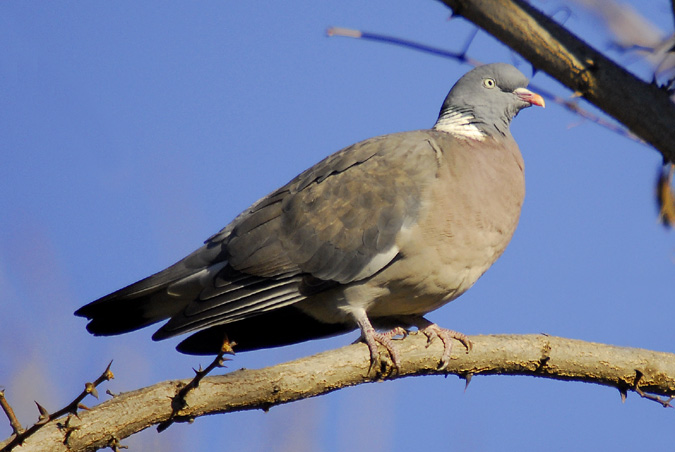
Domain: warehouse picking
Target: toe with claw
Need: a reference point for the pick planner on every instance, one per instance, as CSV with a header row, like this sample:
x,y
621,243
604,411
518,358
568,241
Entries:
x,y
446,336
372,338
386,340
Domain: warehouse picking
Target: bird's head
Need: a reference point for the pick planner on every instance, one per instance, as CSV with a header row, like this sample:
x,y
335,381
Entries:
x,y
485,100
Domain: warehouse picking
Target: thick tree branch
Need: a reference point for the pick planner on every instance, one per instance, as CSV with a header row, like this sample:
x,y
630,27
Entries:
x,y
642,107
536,355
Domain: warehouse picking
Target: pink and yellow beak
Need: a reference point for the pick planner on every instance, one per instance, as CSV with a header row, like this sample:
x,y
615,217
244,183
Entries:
x,y
528,96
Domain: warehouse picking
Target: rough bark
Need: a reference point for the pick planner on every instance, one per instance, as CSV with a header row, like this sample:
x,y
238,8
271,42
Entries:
x,y
642,107
534,355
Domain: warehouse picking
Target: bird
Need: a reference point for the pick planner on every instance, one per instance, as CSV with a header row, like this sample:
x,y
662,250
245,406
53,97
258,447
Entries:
x,y
373,237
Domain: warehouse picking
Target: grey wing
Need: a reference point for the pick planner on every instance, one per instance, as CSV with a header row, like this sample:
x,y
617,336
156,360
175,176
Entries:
x,y
335,223
339,220
342,224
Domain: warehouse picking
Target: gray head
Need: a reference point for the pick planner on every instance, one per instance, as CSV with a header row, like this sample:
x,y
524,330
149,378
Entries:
x,y
485,100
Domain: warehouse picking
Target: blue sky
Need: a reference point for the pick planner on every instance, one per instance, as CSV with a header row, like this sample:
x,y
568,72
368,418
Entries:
x,y
132,131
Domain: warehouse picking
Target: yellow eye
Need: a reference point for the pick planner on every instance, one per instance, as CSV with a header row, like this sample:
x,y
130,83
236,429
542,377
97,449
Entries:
x,y
489,83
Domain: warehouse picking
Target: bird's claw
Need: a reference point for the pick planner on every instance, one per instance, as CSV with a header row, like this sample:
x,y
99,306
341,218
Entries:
x,y
446,336
386,340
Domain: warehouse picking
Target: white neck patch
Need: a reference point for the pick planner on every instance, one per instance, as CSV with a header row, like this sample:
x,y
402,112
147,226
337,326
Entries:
x,y
459,124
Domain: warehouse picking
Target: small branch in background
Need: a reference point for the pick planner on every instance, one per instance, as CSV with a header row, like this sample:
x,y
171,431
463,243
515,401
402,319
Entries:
x,y
635,35
358,34
665,195
629,29
569,104
45,417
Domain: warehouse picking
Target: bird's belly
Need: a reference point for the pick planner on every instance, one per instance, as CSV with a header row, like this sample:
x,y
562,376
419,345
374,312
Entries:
x,y
422,280
425,291
413,286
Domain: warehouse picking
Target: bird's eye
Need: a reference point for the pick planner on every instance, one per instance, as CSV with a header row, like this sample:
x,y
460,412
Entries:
x,y
489,83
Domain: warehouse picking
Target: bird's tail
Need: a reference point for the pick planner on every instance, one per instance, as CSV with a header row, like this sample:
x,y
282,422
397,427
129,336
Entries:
x,y
153,299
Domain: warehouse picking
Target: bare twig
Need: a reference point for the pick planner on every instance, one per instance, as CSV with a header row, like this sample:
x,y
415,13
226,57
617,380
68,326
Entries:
x,y
569,104
178,402
45,417
13,421
663,402
358,34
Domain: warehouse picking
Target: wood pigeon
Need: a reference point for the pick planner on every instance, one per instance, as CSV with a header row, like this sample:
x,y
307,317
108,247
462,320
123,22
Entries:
x,y
373,237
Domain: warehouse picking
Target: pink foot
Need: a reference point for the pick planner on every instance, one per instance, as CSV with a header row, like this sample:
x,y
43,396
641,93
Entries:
x,y
386,340
432,331
372,338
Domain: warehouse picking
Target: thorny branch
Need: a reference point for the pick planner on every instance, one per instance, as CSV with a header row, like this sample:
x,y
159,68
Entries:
x,y
20,435
648,373
179,402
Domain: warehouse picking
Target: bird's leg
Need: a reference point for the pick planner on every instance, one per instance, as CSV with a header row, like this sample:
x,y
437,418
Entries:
x,y
371,337
432,331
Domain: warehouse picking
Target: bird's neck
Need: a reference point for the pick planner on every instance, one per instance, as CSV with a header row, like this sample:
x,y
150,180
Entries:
x,y
461,123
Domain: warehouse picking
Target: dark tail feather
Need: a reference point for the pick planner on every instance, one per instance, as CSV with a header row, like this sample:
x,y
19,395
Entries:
x,y
149,300
111,315
165,294
282,326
